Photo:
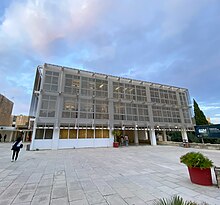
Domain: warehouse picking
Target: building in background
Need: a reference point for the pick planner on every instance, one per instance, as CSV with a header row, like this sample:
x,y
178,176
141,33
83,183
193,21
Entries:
x,y
11,125
6,128
23,127
75,108
6,107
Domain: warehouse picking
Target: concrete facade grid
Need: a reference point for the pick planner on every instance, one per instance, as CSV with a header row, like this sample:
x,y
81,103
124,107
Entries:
x,y
56,122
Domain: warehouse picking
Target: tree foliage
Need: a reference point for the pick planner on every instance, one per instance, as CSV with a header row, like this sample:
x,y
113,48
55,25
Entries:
x,y
199,116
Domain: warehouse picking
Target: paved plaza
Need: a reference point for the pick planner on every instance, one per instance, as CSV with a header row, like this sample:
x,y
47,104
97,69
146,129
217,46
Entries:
x,y
127,175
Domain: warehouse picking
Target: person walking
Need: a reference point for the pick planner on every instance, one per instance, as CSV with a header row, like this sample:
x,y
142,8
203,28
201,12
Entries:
x,y
0,137
126,140
5,136
16,148
122,140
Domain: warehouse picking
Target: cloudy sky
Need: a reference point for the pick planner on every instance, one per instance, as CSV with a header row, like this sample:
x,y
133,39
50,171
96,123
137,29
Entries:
x,y
175,42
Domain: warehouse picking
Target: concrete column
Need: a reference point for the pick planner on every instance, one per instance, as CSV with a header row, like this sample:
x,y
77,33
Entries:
x,y
136,137
153,137
55,141
146,134
111,137
164,135
33,135
184,136
11,136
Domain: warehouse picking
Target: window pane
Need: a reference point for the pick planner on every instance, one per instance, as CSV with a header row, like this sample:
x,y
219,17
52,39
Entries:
x,y
55,80
43,113
105,133
39,134
51,113
48,134
66,115
90,133
98,133
44,104
72,134
82,134
47,79
64,134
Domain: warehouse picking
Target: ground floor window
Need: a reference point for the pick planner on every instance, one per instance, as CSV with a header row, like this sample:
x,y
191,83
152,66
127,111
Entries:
x,y
44,134
83,133
68,133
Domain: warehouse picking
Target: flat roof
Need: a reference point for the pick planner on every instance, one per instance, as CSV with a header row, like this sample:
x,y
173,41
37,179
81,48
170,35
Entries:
x,y
119,77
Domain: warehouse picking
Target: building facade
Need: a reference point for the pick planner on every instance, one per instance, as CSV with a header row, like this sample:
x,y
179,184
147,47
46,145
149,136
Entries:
x,y
74,108
6,128
6,107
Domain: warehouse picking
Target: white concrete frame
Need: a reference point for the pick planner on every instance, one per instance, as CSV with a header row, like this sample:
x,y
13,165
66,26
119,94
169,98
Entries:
x,y
56,143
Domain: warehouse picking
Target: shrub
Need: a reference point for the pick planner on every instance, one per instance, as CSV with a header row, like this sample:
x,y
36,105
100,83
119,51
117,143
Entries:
x,y
176,200
196,159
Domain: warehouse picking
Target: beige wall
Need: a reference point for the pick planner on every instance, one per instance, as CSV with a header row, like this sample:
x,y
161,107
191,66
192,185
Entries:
x,y
22,121
6,107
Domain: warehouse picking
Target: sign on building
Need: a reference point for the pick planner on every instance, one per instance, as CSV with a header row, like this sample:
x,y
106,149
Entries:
x,y
212,131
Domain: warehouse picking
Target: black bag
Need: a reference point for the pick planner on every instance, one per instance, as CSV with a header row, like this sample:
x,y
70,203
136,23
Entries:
x,y
21,146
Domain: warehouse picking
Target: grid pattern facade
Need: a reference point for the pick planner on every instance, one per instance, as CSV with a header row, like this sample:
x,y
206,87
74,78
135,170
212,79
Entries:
x,y
87,105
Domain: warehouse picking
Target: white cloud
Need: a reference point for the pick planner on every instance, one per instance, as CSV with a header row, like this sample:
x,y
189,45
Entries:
x,y
37,23
215,120
165,41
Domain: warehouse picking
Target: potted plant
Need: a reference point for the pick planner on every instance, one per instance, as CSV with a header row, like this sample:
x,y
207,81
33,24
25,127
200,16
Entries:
x,y
199,167
116,134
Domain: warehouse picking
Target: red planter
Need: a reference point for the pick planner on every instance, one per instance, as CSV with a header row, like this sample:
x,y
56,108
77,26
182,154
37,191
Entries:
x,y
115,144
200,176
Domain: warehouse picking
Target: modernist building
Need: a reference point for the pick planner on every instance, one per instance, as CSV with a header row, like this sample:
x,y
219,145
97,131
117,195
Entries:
x,y
75,108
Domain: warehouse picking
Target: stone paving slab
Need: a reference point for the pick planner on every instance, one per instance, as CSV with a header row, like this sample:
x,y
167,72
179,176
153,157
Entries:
x,y
100,176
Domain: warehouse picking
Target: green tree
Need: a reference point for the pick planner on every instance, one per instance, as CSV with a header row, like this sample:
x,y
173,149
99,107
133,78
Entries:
x,y
199,115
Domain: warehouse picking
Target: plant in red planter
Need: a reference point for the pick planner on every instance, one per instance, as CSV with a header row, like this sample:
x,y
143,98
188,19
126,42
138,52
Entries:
x,y
117,134
199,167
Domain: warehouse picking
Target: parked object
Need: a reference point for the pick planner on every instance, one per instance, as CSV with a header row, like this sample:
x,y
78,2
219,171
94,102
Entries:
x,y
217,174
28,147
199,168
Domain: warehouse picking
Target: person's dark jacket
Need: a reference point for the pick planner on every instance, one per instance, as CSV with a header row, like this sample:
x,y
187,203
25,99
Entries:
x,y
17,146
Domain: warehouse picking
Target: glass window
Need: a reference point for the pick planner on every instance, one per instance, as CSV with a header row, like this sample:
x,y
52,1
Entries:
x,y
72,84
70,107
118,90
90,133
82,134
105,133
51,81
63,134
73,134
44,134
48,134
98,133
39,134
48,106
87,108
